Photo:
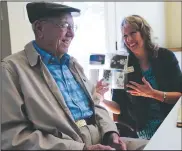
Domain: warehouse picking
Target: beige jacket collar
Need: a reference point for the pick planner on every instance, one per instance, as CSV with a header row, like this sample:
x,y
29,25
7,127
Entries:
x,y
31,53
33,56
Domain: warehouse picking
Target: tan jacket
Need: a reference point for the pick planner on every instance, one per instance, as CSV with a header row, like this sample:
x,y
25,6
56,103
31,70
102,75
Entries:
x,y
34,113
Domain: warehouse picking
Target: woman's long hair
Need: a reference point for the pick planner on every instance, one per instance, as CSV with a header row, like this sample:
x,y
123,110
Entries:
x,y
141,25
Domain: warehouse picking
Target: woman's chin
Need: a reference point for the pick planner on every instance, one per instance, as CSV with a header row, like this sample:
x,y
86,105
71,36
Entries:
x,y
134,49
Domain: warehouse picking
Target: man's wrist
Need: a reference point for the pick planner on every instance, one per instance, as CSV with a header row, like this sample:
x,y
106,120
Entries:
x,y
107,137
85,147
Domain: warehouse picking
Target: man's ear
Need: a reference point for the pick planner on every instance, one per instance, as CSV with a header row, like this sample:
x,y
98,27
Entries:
x,y
38,29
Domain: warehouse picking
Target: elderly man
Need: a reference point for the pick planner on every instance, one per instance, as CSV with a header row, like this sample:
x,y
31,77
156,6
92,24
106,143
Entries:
x,y
47,102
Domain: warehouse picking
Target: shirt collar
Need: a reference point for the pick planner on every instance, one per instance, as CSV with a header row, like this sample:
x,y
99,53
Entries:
x,y
50,59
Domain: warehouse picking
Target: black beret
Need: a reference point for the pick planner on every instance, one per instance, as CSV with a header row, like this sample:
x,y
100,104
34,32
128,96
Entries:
x,y
37,10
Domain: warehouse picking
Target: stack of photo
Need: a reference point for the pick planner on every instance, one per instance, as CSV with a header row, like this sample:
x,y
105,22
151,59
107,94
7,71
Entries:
x,y
112,68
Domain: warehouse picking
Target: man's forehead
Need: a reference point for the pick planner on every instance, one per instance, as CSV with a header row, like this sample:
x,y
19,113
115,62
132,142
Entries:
x,y
64,17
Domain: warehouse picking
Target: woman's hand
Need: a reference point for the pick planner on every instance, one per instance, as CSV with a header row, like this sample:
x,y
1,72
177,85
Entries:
x,y
144,90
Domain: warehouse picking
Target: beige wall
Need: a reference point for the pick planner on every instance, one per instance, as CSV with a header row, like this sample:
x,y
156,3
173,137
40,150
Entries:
x,y
20,28
0,29
173,24
5,42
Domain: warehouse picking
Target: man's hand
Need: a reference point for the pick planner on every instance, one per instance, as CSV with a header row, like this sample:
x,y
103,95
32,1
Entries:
x,y
102,87
98,147
116,142
144,90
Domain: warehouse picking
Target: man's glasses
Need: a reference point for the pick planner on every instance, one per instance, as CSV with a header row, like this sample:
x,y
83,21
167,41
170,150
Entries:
x,y
66,26
63,26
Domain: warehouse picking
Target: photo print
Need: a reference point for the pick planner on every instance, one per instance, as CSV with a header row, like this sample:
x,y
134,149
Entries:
x,y
118,79
107,74
97,59
118,62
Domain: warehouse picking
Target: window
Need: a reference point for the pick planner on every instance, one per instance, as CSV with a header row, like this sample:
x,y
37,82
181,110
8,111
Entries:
x,y
90,36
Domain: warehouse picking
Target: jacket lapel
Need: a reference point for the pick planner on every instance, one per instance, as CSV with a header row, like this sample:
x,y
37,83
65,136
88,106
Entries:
x,y
77,71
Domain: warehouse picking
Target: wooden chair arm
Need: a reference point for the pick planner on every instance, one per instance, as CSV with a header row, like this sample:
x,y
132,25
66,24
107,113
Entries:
x,y
111,106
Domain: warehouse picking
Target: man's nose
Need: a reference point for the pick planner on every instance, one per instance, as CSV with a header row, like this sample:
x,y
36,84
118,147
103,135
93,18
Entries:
x,y
70,32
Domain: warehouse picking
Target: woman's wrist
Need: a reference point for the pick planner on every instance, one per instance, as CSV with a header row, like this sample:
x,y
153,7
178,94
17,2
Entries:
x,y
152,94
164,96
158,95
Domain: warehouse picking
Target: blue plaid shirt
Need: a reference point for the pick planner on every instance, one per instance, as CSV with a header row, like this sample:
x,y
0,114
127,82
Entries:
x,y
74,96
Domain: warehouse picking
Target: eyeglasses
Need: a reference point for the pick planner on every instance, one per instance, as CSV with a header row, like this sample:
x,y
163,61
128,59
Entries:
x,y
66,26
63,26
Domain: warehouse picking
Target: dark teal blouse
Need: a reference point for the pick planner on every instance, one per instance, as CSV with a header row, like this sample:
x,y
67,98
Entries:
x,y
153,112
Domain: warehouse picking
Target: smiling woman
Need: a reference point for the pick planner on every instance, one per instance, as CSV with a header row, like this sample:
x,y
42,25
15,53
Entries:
x,y
154,86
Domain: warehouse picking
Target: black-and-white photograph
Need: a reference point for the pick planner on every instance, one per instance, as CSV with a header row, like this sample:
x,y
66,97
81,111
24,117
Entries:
x,y
107,76
118,62
118,79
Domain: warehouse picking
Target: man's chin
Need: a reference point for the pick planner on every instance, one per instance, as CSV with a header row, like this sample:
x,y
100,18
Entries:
x,y
63,50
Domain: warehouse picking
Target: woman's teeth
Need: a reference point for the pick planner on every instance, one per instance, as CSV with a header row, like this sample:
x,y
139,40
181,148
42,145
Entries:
x,y
132,45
